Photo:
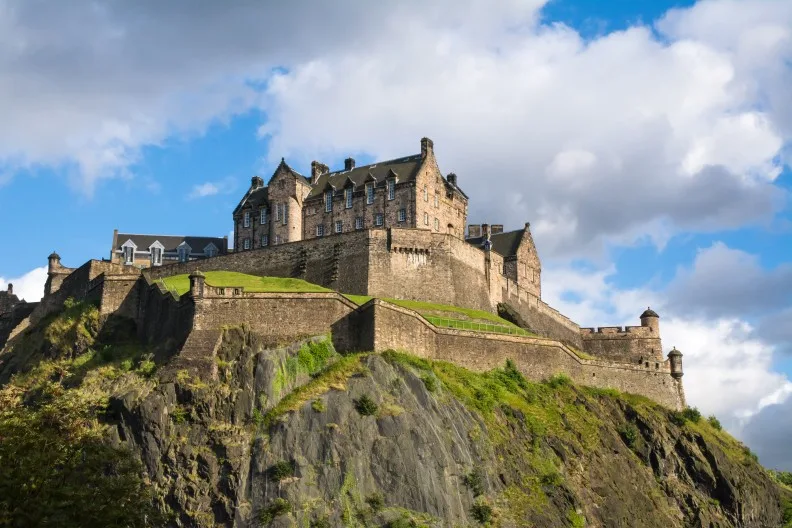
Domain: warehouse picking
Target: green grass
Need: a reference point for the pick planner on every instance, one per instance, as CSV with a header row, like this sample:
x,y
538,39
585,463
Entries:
x,y
251,283
447,316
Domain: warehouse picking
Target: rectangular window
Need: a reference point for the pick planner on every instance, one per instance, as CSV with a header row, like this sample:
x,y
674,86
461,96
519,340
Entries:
x,y
359,222
277,239
156,256
277,212
246,220
437,199
426,218
437,224
348,192
263,215
339,226
285,213
129,255
320,230
369,193
378,219
264,240
391,189
426,193
402,215
245,244
328,201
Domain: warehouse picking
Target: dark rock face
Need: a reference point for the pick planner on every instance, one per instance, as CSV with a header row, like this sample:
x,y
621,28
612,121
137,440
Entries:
x,y
224,454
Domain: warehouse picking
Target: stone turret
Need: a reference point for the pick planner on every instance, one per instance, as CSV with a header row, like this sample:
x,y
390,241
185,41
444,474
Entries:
x,y
675,356
651,320
53,262
197,281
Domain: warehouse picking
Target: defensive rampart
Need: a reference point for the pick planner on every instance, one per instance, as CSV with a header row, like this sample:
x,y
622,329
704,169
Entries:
x,y
633,344
396,263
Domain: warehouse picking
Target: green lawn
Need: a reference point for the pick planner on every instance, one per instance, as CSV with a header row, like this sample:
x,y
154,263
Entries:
x,y
453,316
251,283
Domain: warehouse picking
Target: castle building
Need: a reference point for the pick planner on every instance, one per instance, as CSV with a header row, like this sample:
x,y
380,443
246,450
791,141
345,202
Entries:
x,y
144,251
408,192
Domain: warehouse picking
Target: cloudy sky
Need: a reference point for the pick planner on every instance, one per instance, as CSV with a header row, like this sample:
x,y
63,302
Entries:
x,y
648,143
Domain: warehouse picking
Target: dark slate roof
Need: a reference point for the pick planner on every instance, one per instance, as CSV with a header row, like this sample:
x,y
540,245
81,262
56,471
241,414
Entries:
x,y
405,169
171,242
255,199
649,313
504,244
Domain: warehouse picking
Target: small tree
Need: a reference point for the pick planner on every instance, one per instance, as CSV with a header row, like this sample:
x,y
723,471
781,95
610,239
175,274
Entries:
x,y
366,406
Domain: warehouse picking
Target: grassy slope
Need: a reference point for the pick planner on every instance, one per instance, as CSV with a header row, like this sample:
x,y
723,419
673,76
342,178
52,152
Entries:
x,y
251,283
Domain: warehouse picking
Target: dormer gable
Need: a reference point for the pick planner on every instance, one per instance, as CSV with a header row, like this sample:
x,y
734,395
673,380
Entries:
x,y
211,250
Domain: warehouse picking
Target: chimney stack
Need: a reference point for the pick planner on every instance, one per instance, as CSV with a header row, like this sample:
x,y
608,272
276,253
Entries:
x,y
474,231
427,147
256,182
317,169
349,164
497,228
452,179
485,231
10,289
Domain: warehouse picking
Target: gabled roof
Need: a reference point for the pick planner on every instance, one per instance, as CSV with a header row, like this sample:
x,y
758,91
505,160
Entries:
x,y
255,198
504,244
405,169
285,167
169,242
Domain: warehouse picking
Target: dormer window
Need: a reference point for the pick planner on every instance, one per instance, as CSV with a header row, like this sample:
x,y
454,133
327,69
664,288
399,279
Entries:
x,y
246,219
369,193
328,201
183,254
348,197
129,255
391,189
156,253
211,250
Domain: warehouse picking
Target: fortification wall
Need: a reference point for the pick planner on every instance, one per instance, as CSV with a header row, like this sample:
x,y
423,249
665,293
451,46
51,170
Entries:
x,y
339,262
276,315
164,321
397,328
632,344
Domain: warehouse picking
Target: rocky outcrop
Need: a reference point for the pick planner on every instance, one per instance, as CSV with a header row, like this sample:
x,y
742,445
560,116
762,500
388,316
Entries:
x,y
297,436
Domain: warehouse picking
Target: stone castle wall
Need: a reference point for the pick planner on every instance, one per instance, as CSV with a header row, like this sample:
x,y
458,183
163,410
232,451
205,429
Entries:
x,y
633,344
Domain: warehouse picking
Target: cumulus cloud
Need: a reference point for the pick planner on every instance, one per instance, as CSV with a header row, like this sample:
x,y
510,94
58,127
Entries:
x,y
202,190
632,136
29,286
729,360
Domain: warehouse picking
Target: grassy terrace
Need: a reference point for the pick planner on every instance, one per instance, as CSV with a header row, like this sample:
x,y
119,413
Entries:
x,y
440,315
230,279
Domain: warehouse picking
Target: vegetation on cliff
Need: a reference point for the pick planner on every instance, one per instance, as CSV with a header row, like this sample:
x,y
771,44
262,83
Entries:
x,y
92,433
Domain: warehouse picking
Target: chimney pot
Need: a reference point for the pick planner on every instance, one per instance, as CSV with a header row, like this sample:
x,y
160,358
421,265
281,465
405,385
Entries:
x,y
427,147
349,163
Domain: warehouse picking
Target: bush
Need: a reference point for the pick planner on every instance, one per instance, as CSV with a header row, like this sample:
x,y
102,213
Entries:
x,y
629,433
558,381
376,501
318,405
475,482
481,511
281,470
714,422
321,522
257,417
179,415
430,382
692,414
276,508
366,406
146,367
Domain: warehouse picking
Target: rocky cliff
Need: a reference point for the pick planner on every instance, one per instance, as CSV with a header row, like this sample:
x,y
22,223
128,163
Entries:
x,y
95,431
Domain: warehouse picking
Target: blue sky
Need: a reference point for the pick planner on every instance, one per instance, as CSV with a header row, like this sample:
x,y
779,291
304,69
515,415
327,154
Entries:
x,y
646,142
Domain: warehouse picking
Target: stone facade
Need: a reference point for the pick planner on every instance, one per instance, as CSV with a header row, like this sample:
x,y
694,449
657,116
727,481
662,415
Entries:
x,y
408,192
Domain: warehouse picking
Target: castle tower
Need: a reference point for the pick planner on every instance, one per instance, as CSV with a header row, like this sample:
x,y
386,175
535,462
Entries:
x,y
651,320
675,356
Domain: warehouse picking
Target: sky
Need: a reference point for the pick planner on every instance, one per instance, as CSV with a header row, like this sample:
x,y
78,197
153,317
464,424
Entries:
x,y
648,143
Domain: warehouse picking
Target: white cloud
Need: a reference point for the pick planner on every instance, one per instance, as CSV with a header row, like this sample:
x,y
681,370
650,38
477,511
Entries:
x,y
29,286
204,189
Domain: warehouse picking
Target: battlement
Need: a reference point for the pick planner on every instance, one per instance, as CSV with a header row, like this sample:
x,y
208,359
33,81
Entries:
x,y
611,330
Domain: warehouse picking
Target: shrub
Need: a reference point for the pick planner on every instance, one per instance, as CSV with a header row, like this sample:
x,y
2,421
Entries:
x,y
257,417
784,477
575,519
276,508
318,405
629,433
366,406
551,479
376,501
481,511
402,522
692,414
557,381
126,365
475,482
714,422
430,382
321,522
146,367
179,415
281,470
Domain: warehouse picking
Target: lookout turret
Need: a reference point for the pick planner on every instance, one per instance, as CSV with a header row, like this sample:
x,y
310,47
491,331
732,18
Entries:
x,y
651,320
